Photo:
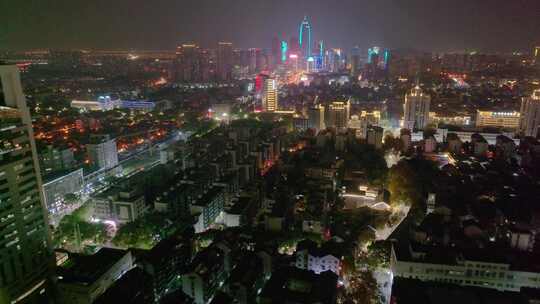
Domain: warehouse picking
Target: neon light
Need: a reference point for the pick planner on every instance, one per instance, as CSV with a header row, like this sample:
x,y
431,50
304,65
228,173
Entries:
x,y
305,24
284,48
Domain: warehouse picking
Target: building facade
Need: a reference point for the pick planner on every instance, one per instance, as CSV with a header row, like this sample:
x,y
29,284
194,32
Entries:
x,y
338,114
25,257
270,95
416,109
497,119
530,115
102,152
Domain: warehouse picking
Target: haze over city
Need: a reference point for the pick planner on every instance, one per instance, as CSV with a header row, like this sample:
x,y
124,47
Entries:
x,y
494,25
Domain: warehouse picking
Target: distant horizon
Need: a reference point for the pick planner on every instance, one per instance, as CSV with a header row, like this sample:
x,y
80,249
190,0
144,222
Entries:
x,y
172,50
486,26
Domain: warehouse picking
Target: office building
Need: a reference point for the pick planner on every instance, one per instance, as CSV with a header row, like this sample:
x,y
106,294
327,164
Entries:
x,y
102,152
270,95
225,61
187,64
316,118
530,114
536,58
337,115
25,257
119,204
416,109
304,38
508,120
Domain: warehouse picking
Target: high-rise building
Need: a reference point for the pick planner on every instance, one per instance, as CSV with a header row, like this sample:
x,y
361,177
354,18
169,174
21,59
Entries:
x,y
316,118
187,63
102,152
225,61
373,55
355,61
530,114
270,95
304,38
255,60
276,51
416,109
536,58
338,114
334,60
25,256
284,51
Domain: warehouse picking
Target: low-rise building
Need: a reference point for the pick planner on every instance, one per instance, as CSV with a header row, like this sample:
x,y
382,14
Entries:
x,y
121,205
207,274
310,256
508,119
82,278
293,285
504,270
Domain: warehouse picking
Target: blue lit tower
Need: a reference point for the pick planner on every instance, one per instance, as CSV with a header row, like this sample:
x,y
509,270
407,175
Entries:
x,y
284,50
304,37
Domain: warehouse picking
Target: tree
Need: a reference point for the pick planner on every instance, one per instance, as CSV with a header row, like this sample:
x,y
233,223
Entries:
x,y
71,198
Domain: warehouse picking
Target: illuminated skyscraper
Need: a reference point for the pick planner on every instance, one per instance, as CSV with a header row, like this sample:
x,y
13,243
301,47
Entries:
x,y
416,109
270,95
537,54
373,54
338,114
225,61
284,51
304,38
25,257
530,115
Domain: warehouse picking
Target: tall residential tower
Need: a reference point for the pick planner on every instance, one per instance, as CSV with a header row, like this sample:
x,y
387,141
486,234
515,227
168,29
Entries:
x,y
530,115
25,256
416,109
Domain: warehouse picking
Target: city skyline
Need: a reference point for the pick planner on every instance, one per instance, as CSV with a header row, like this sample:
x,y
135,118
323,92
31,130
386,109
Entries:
x,y
418,24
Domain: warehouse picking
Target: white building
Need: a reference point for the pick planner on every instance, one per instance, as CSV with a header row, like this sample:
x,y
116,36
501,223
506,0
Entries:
x,y
270,95
102,152
103,103
416,109
465,271
318,259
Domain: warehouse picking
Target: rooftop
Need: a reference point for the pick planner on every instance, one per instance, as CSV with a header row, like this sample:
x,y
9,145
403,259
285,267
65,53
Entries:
x,y
86,269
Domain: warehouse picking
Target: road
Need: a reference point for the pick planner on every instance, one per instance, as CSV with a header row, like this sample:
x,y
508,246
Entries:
x,y
384,276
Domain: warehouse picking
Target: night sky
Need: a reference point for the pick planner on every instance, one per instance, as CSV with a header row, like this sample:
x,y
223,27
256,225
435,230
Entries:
x,y
439,25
